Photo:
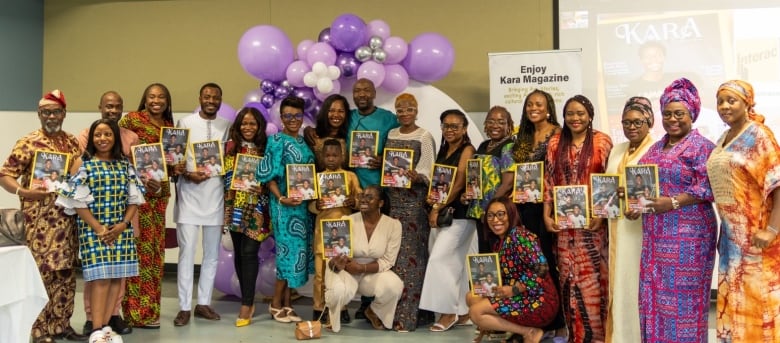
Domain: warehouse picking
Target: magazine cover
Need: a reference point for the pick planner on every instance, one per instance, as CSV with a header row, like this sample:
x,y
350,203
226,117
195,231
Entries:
x,y
394,166
442,177
300,181
337,237
474,179
174,141
332,187
571,206
363,147
149,162
641,185
605,201
49,170
244,172
529,182
208,157
484,273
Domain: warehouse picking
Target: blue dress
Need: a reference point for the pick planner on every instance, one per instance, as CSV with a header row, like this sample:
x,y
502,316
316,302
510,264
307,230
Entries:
x,y
291,225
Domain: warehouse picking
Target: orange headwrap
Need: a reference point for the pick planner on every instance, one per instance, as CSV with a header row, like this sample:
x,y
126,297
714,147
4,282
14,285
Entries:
x,y
53,98
745,92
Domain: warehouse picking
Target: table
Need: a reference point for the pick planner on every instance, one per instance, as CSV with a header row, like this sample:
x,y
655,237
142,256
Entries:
x,y
22,294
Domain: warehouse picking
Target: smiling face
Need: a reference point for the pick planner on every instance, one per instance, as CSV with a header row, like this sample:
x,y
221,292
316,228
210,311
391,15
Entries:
x,y
453,128
249,127
337,114
497,124
363,94
111,106
103,138
370,201
731,108
676,128
497,219
156,100
576,117
634,133
51,117
536,108
292,119
210,101
406,112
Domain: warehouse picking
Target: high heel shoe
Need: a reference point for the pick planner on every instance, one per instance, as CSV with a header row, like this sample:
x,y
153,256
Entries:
x,y
292,315
246,321
279,314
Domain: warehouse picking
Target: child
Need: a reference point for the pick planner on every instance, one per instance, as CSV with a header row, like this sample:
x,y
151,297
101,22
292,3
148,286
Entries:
x,y
333,159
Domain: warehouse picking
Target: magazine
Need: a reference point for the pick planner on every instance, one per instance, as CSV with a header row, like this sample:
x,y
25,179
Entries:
x,y
571,206
337,237
300,181
484,273
442,178
474,179
244,172
641,186
363,148
332,188
605,201
208,157
529,182
174,142
49,170
149,162
395,164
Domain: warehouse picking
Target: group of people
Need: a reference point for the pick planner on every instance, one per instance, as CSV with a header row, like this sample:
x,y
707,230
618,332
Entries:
x,y
405,260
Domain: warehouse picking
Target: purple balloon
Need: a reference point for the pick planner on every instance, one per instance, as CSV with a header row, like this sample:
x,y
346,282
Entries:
x,y
307,95
266,277
258,106
396,49
321,52
271,129
378,28
372,71
267,87
324,36
348,64
225,271
224,111
267,100
265,51
281,93
430,57
347,32
303,47
396,78
296,71
254,95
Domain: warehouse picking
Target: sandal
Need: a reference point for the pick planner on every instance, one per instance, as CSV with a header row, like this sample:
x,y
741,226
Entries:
x,y
43,339
464,320
374,319
399,327
292,315
480,335
279,314
439,327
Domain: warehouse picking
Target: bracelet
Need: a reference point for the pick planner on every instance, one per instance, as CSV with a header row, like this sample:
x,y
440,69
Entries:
x,y
772,228
364,269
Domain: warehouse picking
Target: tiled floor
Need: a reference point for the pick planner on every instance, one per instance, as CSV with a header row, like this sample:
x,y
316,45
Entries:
x,y
264,329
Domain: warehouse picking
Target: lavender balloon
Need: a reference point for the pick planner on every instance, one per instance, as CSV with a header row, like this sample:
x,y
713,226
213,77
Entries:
x,y
348,64
395,49
307,95
264,51
254,95
430,57
225,271
372,71
303,47
396,78
378,28
347,32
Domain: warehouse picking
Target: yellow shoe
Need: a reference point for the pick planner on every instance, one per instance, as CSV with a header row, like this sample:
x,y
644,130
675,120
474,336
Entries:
x,y
243,322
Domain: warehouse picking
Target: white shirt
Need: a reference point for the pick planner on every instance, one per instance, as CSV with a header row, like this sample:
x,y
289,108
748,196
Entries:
x,y
578,221
307,193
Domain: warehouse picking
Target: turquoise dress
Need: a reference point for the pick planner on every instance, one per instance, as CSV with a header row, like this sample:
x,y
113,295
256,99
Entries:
x,y
292,226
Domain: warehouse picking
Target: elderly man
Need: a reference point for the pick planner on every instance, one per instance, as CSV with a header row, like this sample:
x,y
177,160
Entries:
x,y
51,234
110,107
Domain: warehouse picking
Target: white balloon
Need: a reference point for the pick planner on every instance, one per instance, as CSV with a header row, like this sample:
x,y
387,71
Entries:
x,y
310,79
319,69
334,72
324,85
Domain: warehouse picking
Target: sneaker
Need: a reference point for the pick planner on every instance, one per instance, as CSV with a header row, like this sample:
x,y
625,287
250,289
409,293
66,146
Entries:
x,y
98,337
111,336
87,328
119,325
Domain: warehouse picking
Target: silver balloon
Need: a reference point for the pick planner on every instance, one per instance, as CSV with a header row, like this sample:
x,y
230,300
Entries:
x,y
286,84
375,42
363,53
379,55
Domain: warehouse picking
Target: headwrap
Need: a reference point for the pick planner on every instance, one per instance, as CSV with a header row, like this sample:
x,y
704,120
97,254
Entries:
x,y
641,104
54,97
682,90
745,92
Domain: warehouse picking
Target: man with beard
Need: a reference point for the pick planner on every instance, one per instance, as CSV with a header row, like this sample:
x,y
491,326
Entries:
x,y
110,107
50,233
199,207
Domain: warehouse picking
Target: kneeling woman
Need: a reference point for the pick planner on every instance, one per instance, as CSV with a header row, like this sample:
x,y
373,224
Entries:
x,y
376,240
527,300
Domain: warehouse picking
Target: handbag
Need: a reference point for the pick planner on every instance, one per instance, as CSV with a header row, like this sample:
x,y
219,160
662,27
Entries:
x,y
309,329
12,227
445,217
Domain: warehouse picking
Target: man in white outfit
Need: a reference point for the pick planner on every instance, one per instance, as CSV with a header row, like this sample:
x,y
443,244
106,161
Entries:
x,y
200,208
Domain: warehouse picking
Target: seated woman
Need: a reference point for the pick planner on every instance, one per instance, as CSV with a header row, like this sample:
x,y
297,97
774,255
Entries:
x,y
527,299
375,243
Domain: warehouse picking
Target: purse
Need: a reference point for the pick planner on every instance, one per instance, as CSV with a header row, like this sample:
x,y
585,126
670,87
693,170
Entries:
x,y
12,227
309,329
445,217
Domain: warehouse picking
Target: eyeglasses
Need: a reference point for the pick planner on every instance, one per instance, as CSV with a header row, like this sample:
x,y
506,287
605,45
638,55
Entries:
x,y
291,116
58,112
636,123
500,215
447,127
495,122
679,114
408,110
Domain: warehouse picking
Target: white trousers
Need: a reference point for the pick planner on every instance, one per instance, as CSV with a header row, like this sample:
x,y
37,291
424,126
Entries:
x,y
340,288
187,236
446,278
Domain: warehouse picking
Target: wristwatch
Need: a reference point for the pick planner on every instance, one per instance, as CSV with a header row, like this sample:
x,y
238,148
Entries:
x,y
675,203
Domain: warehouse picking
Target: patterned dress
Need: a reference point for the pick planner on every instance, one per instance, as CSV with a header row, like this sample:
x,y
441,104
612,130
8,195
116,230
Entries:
x,y
521,261
106,188
50,233
582,255
678,246
744,173
408,206
141,305
241,207
292,224
494,164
